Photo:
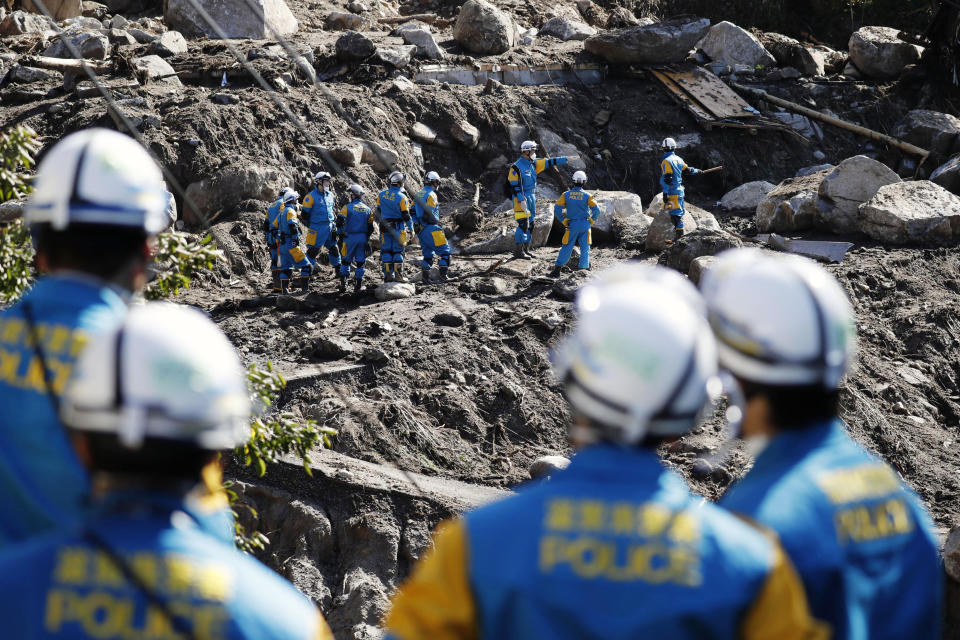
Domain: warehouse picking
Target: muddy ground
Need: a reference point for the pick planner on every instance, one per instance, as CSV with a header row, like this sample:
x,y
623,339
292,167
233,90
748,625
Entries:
x,y
476,402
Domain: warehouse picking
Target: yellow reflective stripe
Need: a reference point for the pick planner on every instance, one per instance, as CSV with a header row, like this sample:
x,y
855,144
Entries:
x,y
562,200
311,237
666,167
591,202
308,201
439,239
780,609
541,165
323,629
432,200
297,254
343,211
436,602
513,176
566,236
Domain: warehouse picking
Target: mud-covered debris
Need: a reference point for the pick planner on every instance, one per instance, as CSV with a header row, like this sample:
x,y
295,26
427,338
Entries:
x,y
421,37
398,56
699,266
450,319
484,29
171,43
546,466
566,288
465,133
492,286
845,188
702,242
271,17
422,133
332,347
661,231
378,327
375,355
564,29
343,21
394,291
916,212
92,46
225,98
353,47
659,43
747,196
378,155
879,53
287,303
809,171
602,118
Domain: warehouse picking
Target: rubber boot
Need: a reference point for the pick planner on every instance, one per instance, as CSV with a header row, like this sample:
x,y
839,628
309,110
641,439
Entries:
x,y
677,233
276,281
518,251
388,273
398,272
357,287
555,272
443,274
343,284
285,286
425,276
303,282
527,252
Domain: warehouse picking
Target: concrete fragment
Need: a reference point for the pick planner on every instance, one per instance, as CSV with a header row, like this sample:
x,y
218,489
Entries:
x,y
484,29
914,212
266,20
845,188
394,291
465,133
566,29
728,43
546,466
747,196
879,53
426,46
171,43
659,43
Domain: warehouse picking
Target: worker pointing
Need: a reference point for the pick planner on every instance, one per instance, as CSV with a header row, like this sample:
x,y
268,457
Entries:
x,y
522,178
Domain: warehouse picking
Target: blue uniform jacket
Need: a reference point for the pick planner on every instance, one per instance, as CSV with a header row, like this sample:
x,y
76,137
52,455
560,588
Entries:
x,y
860,540
672,167
393,204
357,218
63,586
581,209
427,206
289,227
319,209
42,484
522,177
612,547
273,222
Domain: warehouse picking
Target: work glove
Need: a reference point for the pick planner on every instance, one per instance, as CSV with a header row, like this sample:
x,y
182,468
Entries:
x,y
693,171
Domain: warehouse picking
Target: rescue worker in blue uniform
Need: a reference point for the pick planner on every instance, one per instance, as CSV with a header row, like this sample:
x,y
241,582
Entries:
x,y
433,241
354,228
98,200
615,545
319,214
522,178
577,211
672,167
291,255
142,562
396,227
861,540
271,234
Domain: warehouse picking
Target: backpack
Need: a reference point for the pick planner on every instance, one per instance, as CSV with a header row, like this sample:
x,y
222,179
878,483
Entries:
x,y
507,187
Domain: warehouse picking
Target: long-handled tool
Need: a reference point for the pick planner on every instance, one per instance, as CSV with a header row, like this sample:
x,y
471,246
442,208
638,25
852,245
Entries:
x,y
705,171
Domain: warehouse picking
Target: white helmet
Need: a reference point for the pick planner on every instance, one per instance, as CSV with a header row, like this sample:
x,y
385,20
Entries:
x,y
396,178
668,144
630,272
99,176
322,175
640,359
289,195
432,176
579,178
356,190
166,372
528,145
284,192
780,320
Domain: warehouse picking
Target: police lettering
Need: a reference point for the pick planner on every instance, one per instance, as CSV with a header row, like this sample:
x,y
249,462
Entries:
x,y
592,558
863,523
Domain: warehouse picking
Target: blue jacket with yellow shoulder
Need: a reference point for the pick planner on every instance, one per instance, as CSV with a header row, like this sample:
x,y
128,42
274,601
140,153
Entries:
x,y
861,541
522,177
576,209
355,218
427,206
66,585
394,205
612,547
672,167
42,483
319,209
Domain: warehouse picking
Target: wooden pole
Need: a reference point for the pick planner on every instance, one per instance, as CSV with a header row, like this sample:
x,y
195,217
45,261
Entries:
x,y
64,65
837,122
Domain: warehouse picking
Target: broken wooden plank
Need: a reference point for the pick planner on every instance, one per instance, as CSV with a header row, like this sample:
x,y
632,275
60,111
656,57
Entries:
x,y
428,18
89,90
64,65
711,93
681,96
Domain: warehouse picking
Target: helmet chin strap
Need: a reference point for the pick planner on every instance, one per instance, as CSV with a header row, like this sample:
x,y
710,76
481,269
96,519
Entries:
x,y
132,427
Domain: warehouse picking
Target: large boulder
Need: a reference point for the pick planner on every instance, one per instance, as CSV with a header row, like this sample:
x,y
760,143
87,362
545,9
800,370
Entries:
x,y
353,47
236,18
947,175
91,45
379,156
484,29
231,186
59,9
343,21
20,22
616,204
747,196
423,40
564,29
846,187
702,242
155,68
791,205
631,232
661,232
915,212
557,146
726,42
171,43
664,42
810,60
931,130
397,56
878,52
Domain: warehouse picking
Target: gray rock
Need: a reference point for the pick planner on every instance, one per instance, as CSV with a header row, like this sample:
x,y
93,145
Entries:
x,y
171,43
728,43
59,9
120,37
172,213
231,186
804,125
819,156
225,98
931,130
661,232
423,40
96,10
702,242
450,319
913,212
82,23
395,291
92,46
398,56
951,554
492,286
791,205
378,156
747,196
422,133
808,60
631,232
659,43
465,133
947,175
10,211
342,21
846,187
850,71
332,347
807,171
546,466
879,53
153,68
118,22
25,75
358,7
375,355
353,47
616,204
557,146
484,29
566,29
141,36
349,153
700,266
236,19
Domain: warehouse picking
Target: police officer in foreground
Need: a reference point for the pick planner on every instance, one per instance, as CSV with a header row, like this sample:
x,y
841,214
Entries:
x,y
860,539
672,168
151,404
98,201
614,546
